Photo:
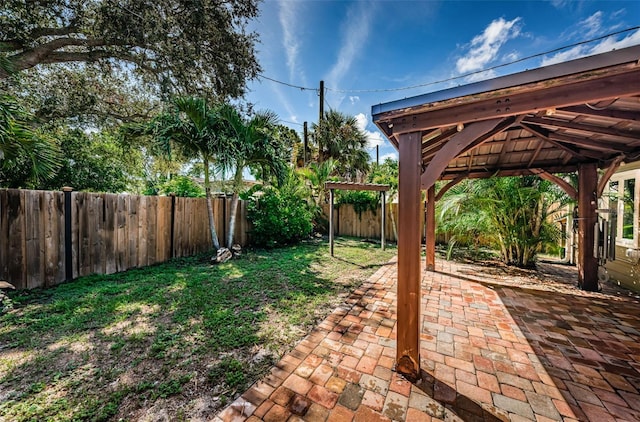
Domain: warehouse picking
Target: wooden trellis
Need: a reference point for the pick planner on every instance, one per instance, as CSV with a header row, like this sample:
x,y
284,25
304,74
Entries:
x,y
359,187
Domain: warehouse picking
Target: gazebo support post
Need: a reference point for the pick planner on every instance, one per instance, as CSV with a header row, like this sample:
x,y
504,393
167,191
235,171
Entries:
x,y
587,202
408,334
430,238
331,221
383,207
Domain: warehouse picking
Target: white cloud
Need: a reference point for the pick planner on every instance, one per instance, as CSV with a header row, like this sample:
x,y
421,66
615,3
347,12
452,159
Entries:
x,y
373,138
618,14
592,25
511,57
285,103
357,28
484,47
288,16
354,99
608,44
391,155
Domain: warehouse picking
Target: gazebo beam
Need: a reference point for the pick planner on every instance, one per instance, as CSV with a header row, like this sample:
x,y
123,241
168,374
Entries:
x,y
459,178
608,173
458,143
563,184
409,274
511,102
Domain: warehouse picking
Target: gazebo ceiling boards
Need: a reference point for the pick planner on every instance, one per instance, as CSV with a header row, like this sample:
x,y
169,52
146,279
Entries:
x,y
574,116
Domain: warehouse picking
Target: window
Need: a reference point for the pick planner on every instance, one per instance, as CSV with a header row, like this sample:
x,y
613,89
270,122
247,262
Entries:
x,y
628,207
623,195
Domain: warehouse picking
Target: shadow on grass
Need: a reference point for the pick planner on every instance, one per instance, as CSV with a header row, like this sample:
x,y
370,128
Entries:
x,y
107,346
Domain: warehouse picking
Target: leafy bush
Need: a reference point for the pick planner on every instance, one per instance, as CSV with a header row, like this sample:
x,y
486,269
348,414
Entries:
x,y
361,200
279,216
182,186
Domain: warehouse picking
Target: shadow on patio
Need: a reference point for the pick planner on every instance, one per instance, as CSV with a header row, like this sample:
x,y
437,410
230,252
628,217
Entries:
x,y
490,350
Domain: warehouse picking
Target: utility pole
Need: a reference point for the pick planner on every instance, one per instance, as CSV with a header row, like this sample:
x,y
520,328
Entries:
x,y
321,93
306,144
378,154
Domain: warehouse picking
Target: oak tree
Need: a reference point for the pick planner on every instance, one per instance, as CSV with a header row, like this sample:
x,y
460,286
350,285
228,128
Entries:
x,y
201,47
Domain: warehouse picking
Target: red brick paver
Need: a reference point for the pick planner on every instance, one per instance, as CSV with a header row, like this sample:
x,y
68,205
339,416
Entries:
x,y
494,347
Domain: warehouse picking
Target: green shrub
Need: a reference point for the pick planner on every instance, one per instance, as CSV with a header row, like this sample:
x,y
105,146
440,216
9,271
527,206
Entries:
x,y
361,200
182,186
279,216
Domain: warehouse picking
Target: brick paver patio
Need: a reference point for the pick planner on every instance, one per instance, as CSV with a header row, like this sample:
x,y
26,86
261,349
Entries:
x,y
489,350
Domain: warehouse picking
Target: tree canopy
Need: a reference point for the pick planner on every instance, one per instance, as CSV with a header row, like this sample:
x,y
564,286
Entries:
x,y
338,137
198,47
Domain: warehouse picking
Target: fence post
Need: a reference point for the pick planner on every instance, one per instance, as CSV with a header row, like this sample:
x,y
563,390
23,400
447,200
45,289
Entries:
x,y
68,242
173,220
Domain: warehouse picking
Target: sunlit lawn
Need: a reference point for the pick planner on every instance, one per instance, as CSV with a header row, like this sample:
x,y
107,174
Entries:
x,y
175,341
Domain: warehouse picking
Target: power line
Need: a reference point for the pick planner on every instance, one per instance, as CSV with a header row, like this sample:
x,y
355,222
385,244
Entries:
x,y
453,78
555,50
292,123
302,88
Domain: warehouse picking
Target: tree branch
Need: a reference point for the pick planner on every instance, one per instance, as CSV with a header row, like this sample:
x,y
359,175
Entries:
x,y
45,32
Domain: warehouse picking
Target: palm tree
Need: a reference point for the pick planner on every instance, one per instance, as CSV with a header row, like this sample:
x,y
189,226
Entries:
x,y
20,144
199,131
253,146
338,137
318,174
512,212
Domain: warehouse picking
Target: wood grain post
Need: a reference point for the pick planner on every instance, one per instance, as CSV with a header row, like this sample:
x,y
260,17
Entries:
x,y
382,217
331,221
430,236
173,224
68,245
408,335
587,202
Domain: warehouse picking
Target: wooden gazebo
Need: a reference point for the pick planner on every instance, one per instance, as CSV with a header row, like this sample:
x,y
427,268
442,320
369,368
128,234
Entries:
x,y
581,115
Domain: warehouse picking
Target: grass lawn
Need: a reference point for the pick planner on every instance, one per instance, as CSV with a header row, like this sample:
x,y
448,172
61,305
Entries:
x,y
176,341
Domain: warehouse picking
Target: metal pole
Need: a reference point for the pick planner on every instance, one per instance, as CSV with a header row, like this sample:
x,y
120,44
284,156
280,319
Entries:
x,y
321,102
305,145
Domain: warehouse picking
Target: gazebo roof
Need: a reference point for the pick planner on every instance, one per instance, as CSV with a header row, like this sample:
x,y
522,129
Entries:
x,y
541,121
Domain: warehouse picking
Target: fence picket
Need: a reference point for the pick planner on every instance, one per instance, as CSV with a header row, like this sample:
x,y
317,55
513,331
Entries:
x,y
34,240
143,203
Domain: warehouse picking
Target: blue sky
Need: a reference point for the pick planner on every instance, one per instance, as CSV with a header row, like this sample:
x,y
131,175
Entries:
x,y
368,51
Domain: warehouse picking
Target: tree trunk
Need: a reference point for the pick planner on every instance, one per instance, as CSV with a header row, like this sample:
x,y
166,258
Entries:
x,y
232,219
393,223
212,223
234,206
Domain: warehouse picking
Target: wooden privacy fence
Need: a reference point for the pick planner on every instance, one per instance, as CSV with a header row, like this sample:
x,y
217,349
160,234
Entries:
x,y
48,237
347,222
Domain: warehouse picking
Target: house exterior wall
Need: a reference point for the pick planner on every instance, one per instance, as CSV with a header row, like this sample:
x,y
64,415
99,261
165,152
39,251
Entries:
x,y
622,194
